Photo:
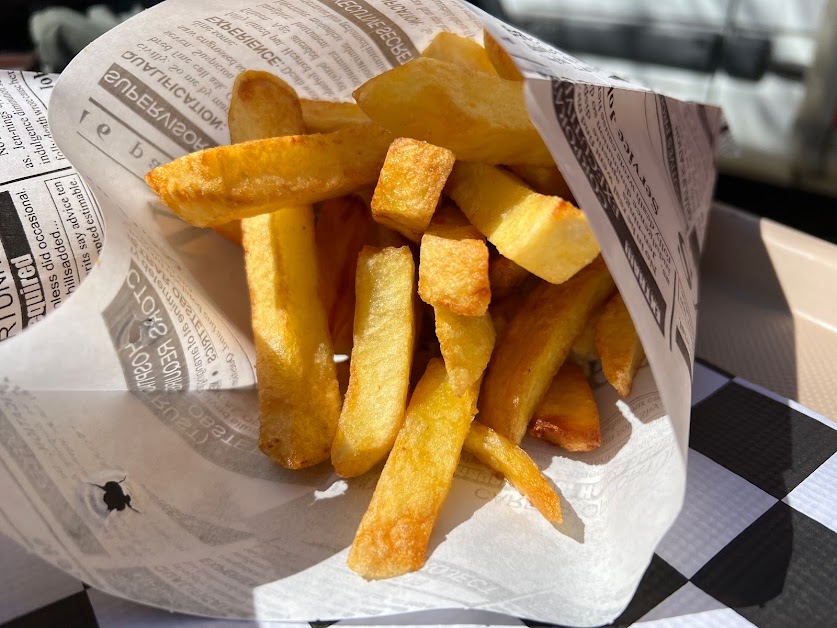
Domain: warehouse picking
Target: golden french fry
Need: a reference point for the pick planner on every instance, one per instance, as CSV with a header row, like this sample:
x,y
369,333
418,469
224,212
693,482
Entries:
x,y
567,416
500,59
343,227
230,230
546,180
479,116
323,116
618,345
384,337
535,343
546,235
503,456
504,310
584,346
393,534
263,102
505,276
459,50
409,186
293,347
220,184
453,268
466,343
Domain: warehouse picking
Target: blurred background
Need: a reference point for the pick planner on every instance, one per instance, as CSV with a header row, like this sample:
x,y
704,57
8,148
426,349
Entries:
x,y
771,64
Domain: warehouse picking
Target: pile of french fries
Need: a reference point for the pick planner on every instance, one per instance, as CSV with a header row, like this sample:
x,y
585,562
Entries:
x,y
426,233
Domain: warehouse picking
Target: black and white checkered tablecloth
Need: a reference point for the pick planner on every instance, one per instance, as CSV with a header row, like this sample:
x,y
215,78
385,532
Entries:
x,y
755,544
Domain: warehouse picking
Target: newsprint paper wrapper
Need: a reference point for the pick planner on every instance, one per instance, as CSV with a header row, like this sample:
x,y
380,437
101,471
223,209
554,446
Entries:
x,y
128,416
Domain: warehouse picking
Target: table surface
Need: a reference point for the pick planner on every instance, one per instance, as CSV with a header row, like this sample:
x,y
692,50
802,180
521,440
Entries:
x,y
755,544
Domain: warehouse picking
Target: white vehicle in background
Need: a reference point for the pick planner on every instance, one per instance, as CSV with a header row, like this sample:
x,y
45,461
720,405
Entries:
x,y
771,64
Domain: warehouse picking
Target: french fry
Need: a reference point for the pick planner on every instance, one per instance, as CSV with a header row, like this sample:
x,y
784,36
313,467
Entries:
x,y
618,345
437,102
409,186
504,310
546,180
459,50
343,227
503,456
500,59
264,106
293,347
224,183
453,269
466,343
546,235
384,337
584,346
393,534
535,343
323,116
230,230
505,276
567,416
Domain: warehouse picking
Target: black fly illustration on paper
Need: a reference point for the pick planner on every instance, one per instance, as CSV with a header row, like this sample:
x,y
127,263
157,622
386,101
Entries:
x,y
115,498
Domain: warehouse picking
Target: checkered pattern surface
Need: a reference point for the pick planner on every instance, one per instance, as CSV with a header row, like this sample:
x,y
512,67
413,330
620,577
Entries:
x,y
755,544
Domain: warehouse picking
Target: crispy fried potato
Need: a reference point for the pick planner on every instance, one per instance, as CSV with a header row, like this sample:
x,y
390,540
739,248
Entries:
x,y
220,184
584,347
503,456
393,534
567,416
505,276
535,343
500,59
466,343
384,337
479,116
618,345
453,269
343,227
230,230
546,235
323,116
263,102
459,50
546,180
293,346
409,186
504,310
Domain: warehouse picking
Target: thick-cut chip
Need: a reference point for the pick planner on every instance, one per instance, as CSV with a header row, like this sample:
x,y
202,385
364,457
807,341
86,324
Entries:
x,y
466,343
535,343
500,59
505,276
546,180
293,346
409,186
453,269
263,102
504,310
322,116
459,50
479,116
567,416
220,184
502,455
618,345
384,337
393,534
545,235
230,230
584,347
343,227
